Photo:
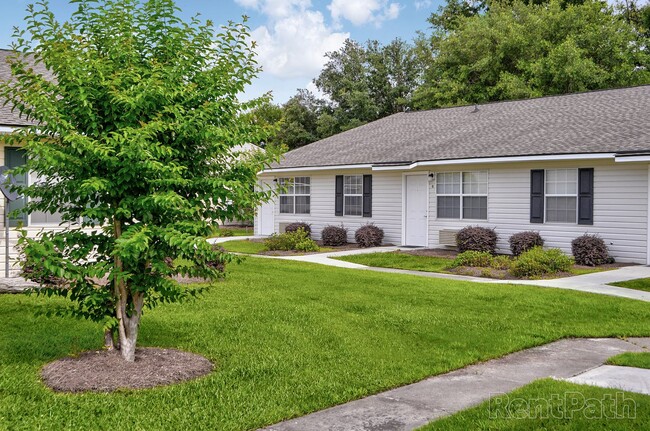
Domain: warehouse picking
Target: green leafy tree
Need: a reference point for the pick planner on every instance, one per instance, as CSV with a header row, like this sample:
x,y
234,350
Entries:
x,y
515,50
366,82
137,141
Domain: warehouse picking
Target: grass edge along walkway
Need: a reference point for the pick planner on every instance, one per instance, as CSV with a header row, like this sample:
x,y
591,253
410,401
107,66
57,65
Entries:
x,y
415,405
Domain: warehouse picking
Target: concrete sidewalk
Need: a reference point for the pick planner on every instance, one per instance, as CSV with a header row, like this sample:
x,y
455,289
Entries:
x,y
610,376
411,406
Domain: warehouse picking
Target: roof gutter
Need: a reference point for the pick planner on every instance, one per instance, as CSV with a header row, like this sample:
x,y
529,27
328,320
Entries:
x,y
619,158
483,160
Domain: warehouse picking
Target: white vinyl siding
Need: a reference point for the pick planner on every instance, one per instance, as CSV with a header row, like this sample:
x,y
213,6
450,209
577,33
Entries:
x,y
620,208
386,205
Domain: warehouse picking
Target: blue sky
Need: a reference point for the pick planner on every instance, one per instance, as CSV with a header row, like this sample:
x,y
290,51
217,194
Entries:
x,y
293,35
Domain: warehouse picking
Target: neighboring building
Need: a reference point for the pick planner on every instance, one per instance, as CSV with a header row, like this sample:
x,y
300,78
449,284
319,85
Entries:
x,y
12,157
561,165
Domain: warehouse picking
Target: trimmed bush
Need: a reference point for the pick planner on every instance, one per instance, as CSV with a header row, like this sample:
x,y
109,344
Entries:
x,y
590,250
481,259
369,236
538,262
293,227
298,241
501,262
476,238
524,241
334,235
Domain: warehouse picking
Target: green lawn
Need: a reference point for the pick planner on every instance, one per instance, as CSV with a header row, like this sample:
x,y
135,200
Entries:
x,y
289,338
243,246
399,260
558,406
638,284
631,359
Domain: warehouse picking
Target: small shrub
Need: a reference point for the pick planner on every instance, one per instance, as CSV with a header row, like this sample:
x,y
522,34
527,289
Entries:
x,y
524,241
590,250
298,240
369,236
476,238
481,259
538,262
293,227
306,244
334,235
501,262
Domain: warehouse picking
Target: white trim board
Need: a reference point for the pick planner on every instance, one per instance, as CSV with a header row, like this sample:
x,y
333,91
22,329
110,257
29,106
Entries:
x,y
479,160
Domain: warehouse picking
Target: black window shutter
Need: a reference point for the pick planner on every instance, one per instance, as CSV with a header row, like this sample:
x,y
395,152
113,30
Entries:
x,y
338,197
586,196
367,195
537,196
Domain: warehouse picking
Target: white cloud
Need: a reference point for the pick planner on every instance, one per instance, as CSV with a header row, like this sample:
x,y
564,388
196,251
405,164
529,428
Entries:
x,y
295,45
423,4
360,12
291,46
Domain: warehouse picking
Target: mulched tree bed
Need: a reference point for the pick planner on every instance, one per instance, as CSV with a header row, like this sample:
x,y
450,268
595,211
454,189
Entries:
x,y
106,371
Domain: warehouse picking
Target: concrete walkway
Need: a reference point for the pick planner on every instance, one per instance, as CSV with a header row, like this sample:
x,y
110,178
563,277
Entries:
x,y
609,376
411,406
593,283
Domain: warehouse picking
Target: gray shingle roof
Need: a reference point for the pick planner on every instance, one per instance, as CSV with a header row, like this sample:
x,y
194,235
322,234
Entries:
x,y
608,121
9,117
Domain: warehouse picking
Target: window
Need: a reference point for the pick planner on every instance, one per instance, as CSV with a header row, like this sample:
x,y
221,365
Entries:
x,y
295,195
353,195
41,217
462,195
561,191
15,157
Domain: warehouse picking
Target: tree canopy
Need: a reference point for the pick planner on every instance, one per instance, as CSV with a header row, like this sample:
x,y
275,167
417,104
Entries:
x,y
136,142
516,50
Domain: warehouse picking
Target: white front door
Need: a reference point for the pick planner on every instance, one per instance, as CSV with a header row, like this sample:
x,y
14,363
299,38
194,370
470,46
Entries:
x,y
415,210
265,217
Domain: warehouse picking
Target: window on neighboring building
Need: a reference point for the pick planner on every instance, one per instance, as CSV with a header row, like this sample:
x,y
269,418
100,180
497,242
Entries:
x,y
295,195
15,157
353,195
462,195
561,191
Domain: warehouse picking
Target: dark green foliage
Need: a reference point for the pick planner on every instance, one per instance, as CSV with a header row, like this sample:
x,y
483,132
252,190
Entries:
x,y
524,241
476,238
137,138
590,250
473,258
369,236
538,262
334,235
515,50
297,240
292,227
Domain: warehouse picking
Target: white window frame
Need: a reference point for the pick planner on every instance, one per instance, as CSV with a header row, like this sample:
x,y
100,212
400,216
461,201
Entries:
x,y
292,180
345,214
462,194
560,195
31,181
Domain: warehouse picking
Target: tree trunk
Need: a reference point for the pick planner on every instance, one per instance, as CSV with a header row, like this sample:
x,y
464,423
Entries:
x,y
109,343
128,318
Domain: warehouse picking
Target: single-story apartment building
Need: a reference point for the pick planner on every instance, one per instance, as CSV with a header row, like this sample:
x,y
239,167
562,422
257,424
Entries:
x,y
560,165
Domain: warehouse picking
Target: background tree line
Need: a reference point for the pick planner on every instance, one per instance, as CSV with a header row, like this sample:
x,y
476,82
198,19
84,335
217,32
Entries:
x,y
474,52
